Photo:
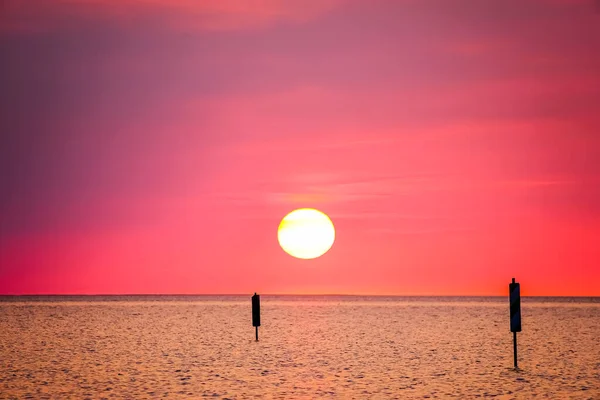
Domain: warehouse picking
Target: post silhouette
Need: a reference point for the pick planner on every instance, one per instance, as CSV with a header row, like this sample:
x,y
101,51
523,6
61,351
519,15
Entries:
x,y
514,290
256,313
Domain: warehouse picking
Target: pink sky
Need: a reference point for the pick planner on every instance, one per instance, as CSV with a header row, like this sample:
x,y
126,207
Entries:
x,y
154,146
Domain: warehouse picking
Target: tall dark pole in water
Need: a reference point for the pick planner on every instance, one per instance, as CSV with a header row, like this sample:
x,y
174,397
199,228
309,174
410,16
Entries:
x,y
514,290
514,349
256,313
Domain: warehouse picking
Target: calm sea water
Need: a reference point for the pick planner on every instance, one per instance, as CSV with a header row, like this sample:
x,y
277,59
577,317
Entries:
x,y
310,347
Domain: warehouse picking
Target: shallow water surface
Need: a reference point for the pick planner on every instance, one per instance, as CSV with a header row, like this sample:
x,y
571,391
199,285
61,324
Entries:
x,y
313,346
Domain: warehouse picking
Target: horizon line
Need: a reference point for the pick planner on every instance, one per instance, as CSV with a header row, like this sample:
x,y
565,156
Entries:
x,y
274,294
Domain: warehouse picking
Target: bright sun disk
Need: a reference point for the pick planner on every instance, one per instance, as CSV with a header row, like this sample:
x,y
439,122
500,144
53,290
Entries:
x,y
306,233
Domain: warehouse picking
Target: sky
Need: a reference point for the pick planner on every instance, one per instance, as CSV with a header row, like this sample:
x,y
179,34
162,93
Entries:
x,y
153,146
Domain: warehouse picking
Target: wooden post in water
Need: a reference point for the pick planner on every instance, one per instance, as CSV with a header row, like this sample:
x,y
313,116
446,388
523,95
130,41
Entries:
x,y
514,290
256,313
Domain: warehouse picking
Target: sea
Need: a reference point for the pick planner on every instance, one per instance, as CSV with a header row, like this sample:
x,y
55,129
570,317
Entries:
x,y
309,347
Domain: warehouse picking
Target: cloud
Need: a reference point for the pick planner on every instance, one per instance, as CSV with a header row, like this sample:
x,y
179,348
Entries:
x,y
181,15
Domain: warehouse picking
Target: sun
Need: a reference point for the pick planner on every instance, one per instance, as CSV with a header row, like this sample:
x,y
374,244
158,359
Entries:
x,y
306,233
